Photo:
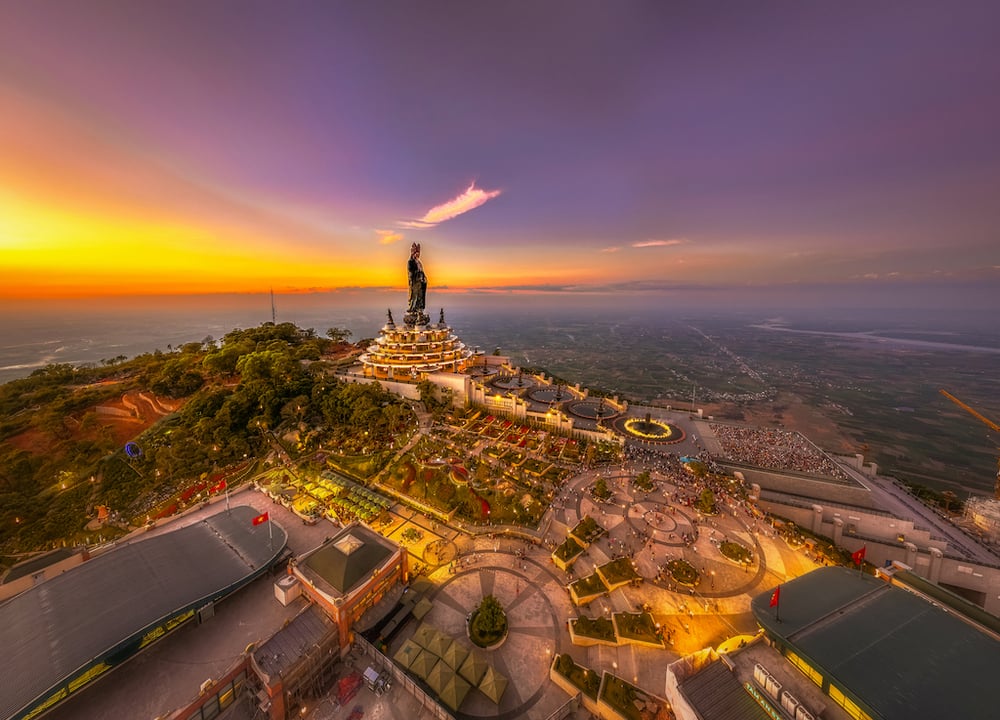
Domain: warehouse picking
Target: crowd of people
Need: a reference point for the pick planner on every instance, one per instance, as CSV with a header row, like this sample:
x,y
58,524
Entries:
x,y
774,449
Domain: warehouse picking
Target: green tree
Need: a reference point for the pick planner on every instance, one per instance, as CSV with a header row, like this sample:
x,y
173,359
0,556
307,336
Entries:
x,y
490,621
428,393
698,468
706,502
338,335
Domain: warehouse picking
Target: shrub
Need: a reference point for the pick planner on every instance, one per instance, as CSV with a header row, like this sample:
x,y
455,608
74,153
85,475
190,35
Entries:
x,y
735,552
683,572
488,623
600,489
588,681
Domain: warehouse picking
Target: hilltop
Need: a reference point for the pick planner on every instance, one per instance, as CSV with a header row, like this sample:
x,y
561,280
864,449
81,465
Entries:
x,y
196,414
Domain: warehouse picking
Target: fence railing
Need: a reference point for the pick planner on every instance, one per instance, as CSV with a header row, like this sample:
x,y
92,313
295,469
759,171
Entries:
x,y
427,702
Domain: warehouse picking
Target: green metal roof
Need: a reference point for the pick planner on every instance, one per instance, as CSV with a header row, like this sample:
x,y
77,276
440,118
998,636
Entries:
x,y
350,557
897,653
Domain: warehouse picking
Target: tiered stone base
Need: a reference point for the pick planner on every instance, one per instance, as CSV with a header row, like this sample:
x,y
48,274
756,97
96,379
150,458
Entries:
x,y
415,348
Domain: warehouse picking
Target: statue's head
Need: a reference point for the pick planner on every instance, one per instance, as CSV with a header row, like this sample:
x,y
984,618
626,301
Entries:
x,y
415,249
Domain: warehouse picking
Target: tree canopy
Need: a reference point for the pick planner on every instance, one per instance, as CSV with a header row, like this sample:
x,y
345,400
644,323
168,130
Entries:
x,y
237,398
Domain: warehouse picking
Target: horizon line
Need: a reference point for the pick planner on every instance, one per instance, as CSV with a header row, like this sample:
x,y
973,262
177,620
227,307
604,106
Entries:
x,y
626,289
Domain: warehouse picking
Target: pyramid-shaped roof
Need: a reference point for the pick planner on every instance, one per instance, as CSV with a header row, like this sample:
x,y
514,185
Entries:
x,y
473,668
454,691
493,684
455,654
349,558
407,653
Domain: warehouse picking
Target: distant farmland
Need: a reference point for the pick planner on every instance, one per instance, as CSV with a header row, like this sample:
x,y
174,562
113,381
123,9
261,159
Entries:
x,y
883,398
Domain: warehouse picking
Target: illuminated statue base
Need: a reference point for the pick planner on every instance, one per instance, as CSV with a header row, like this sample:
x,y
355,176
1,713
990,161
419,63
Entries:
x,y
414,349
416,318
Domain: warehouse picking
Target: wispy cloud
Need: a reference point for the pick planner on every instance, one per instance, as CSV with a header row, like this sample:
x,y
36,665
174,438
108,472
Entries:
x,y
472,198
613,248
388,237
659,243
414,224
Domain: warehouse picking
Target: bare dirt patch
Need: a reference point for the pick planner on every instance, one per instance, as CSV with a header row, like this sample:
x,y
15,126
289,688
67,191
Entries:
x,y
124,419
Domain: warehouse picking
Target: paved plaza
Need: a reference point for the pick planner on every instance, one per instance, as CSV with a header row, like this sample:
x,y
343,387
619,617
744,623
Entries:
x,y
515,566
518,570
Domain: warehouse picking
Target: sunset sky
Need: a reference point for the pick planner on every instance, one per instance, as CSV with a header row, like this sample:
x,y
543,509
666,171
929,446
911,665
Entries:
x,y
193,147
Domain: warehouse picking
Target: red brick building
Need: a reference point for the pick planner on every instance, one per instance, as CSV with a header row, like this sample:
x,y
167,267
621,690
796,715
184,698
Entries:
x,y
350,573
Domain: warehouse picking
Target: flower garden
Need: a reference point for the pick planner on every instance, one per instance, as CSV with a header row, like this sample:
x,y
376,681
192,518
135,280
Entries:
x,y
512,482
337,497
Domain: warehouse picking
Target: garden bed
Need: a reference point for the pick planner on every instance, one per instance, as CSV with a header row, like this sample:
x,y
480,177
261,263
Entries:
x,y
567,553
683,572
587,588
587,531
735,552
630,702
638,628
578,677
584,631
488,627
618,572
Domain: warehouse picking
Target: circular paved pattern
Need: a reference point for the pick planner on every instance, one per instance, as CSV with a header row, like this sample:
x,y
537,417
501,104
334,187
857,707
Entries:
x,y
531,618
592,410
655,431
512,382
439,552
656,521
549,394
656,538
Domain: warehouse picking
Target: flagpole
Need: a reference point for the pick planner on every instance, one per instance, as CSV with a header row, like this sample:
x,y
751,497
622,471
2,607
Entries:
x,y
269,535
777,608
227,497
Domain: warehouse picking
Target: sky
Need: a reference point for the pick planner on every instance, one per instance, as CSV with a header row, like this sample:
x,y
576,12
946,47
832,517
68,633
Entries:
x,y
628,147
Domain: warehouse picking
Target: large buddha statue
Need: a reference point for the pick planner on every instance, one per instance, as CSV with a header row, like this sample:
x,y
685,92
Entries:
x,y
418,287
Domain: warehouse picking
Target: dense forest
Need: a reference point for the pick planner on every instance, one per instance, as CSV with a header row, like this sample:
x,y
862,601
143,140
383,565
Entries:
x,y
224,404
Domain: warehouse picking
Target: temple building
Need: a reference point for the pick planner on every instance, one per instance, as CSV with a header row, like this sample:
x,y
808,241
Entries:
x,y
409,352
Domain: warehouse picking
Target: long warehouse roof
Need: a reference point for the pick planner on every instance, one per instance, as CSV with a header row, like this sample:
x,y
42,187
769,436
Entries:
x,y
68,630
